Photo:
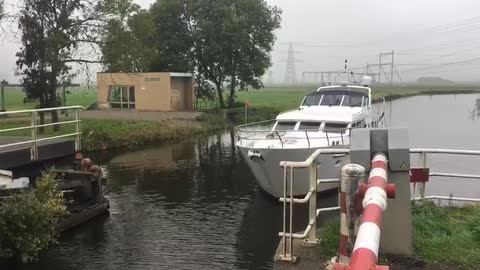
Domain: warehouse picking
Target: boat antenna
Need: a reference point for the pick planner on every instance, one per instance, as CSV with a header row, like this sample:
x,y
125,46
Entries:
x,y
345,71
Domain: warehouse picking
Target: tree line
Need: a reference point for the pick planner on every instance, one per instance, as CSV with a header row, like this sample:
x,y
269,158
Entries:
x,y
225,43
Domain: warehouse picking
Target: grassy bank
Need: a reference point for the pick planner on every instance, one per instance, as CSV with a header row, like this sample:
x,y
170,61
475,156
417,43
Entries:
x,y
449,236
109,134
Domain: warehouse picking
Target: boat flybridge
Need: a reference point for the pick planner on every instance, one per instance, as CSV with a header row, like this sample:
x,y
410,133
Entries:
x,y
324,119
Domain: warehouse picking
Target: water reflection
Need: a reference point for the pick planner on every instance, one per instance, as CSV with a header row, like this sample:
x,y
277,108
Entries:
x,y
182,206
442,121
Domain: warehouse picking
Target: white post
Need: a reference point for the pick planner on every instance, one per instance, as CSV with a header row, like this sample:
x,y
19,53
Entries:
x,y
78,145
312,206
422,185
290,237
34,154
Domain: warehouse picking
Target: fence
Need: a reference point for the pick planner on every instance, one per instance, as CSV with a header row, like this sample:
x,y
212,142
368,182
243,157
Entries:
x,y
34,140
424,153
309,234
365,250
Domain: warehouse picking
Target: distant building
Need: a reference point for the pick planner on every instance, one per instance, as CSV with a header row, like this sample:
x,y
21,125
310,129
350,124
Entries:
x,y
152,91
433,80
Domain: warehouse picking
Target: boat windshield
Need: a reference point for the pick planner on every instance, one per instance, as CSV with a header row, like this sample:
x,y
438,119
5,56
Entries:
x,y
331,99
336,98
354,100
285,125
312,100
335,127
309,125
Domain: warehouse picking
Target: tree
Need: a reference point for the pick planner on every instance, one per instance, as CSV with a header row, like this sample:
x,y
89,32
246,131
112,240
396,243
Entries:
x,y
53,32
227,42
127,42
1,9
174,42
233,40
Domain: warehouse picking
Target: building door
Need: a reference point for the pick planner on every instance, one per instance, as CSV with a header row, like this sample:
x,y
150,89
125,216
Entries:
x,y
177,94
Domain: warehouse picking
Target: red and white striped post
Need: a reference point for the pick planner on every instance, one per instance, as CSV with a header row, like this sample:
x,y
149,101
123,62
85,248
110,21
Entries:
x,y
365,251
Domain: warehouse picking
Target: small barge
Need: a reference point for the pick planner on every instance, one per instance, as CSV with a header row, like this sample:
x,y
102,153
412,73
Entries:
x,y
82,188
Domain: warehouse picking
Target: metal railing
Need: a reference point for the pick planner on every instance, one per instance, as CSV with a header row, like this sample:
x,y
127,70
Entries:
x,y
423,157
34,140
309,234
261,131
340,136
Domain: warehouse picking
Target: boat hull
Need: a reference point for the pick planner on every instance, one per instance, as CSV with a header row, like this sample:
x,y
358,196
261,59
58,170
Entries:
x,y
269,175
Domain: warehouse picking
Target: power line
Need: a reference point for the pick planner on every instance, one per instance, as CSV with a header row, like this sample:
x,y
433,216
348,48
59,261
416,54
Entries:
x,y
467,61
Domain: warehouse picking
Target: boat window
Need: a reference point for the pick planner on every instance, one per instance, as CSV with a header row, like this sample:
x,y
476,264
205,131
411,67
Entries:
x,y
352,101
332,99
359,124
335,127
312,100
285,125
309,125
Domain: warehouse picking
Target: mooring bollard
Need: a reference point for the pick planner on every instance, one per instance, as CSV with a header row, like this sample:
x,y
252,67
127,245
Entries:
x,y
351,176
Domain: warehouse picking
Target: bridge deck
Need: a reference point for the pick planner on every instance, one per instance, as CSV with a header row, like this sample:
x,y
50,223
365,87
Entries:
x,y
20,155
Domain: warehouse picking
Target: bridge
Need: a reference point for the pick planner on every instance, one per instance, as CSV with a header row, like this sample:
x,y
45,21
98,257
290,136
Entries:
x,y
22,142
375,211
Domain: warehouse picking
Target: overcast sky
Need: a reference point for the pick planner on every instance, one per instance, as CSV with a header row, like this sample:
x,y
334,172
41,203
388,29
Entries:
x,y
430,37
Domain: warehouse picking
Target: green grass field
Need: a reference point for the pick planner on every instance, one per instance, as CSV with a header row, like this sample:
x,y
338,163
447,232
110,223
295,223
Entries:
x,y
277,98
287,98
14,99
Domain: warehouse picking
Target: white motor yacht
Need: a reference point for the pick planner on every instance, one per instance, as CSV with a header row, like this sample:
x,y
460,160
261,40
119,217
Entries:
x,y
324,119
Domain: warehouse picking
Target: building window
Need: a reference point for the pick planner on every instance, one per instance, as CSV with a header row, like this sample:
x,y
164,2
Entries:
x,y
122,97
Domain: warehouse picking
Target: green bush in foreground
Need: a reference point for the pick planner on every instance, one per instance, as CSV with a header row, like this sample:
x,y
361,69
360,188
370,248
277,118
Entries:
x,y
28,220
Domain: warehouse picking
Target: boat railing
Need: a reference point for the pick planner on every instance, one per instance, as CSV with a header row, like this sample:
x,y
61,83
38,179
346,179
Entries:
x,y
34,138
309,234
338,136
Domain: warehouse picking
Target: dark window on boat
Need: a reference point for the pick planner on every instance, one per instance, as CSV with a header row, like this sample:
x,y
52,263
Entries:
x,y
331,99
309,126
285,125
353,101
359,124
335,127
312,100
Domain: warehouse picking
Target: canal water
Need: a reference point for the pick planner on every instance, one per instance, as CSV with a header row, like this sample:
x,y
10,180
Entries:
x,y
195,205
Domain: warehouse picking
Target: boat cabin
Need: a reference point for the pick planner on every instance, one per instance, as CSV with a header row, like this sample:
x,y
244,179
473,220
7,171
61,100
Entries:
x,y
332,108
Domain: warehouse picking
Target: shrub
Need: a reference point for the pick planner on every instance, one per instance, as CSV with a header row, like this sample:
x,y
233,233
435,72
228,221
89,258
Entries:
x,y
28,220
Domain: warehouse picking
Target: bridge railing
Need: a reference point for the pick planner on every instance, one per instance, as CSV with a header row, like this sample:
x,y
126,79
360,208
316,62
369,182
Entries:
x,y
34,139
288,200
424,153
